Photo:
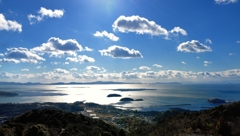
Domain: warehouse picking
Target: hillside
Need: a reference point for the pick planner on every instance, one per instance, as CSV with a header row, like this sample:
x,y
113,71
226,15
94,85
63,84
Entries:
x,y
222,120
57,123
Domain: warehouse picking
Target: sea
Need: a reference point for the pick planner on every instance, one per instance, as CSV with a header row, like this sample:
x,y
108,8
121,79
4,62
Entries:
x,y
157,97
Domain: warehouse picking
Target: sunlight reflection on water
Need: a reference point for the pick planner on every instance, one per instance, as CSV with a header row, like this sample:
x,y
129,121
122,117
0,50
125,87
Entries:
x,y
155,96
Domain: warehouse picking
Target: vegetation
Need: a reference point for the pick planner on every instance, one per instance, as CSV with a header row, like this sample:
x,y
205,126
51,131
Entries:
x,y
57,123
223,120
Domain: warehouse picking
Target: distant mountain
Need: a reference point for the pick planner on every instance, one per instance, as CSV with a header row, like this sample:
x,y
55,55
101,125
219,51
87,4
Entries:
x,y
17,83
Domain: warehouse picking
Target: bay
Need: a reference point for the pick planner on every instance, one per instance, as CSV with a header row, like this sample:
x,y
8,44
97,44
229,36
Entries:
x,y
157,97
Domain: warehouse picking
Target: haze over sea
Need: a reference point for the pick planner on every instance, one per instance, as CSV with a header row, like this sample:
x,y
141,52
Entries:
x,y
155,96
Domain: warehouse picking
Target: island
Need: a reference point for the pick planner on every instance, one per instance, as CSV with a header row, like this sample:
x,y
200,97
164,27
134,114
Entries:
x,y
216,101
114,95
7,94
126,99
130,99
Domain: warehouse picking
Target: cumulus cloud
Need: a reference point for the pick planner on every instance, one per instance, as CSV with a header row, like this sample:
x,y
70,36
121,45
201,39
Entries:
x,y
9,25
193,46
1,55
183,62
57,47
23,55
157,65
73,69
144,68
25,69
225,1
208,41
45,13
5,60
104,33
206,63
139,25
80,59
38,67
88,49
92,68
59,70
116,51
177,30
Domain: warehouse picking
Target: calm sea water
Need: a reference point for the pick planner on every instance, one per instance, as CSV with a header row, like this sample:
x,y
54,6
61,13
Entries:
x,y
156,96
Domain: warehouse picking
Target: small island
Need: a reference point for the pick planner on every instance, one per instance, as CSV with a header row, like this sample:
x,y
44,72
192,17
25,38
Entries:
x,y
216,101
114,95
126,99
130,99
7,94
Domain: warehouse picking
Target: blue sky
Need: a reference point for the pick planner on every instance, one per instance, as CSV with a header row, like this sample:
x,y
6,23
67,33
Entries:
x,y
120,40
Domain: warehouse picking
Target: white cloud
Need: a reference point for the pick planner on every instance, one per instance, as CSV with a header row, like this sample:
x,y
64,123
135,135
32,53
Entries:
x,y
197,57
157,65
4,60
230,54
38,67
139,25
24,69
88,49
206,63
92,68
183,62
104,33
59,70
208,41
238,41
80,59
144,68
44,13
57,47
23,54
9,25
66,63
116,51
62,75
73,69
177,30
1,55
193,46
55,63
225,1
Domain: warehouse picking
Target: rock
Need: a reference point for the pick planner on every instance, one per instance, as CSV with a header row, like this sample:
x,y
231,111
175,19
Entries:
x,y
126,99
216,101
114,95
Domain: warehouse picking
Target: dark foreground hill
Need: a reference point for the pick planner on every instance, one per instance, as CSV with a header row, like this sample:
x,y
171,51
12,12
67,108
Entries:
x,y
223,120
57,123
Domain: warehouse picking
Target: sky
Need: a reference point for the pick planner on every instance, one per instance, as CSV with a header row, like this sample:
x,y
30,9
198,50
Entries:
x,y
120,40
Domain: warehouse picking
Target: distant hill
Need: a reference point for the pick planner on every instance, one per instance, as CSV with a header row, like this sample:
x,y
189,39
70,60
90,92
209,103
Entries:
x,y
57,123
